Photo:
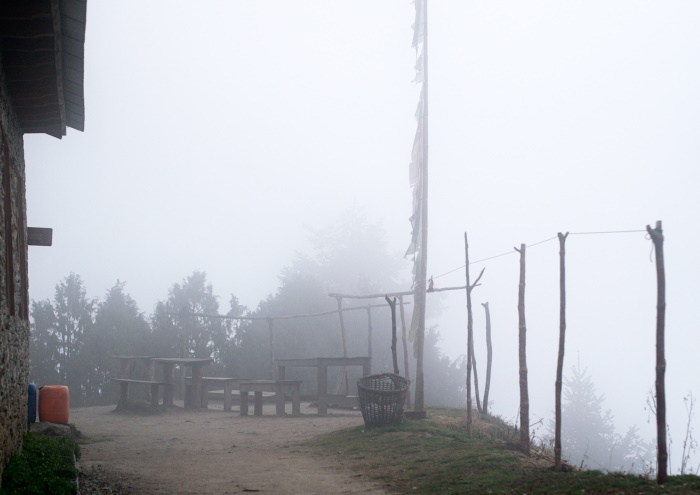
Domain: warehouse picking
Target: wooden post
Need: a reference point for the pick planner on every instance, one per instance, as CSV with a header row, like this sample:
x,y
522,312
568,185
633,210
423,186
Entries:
x,y
196,387
470,332
339,300
421,272
657,237
369,330
394,358
322,380
272,348
522,357
476,381
404,341
560,358
469,340
489,354
150,376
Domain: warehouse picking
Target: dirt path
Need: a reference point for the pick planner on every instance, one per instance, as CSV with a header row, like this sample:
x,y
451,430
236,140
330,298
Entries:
x,y
213,452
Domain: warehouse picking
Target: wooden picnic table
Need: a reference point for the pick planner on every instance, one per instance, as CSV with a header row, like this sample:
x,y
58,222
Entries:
x,y
196,364
229,384
127,365
321,364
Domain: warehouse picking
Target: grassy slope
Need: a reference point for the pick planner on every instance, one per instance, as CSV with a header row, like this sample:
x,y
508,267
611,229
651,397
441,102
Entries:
x,y
436,456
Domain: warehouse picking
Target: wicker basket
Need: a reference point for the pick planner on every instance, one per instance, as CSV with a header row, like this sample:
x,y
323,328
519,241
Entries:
x,y
382,397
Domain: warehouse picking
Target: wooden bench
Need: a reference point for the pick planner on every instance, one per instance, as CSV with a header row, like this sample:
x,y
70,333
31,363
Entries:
x,y
124,389
229,385
279,387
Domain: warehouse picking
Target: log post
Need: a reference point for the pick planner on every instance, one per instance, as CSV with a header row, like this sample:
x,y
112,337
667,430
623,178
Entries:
x,y
522,357
339,300
489,355
272,347
476,382
404,340
394,358
369,331
560,357
470,332
657,237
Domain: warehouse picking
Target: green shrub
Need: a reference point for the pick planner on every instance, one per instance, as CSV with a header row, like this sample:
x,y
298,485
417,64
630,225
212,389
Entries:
x,y
45,466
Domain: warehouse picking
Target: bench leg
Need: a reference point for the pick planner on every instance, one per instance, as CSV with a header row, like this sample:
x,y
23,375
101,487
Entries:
x,y
227,396
258,403
244,403
322,377
279,400
296,401
150,376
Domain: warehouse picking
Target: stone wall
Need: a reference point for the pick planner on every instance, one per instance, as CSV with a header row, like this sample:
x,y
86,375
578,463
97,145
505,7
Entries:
x,y
14,323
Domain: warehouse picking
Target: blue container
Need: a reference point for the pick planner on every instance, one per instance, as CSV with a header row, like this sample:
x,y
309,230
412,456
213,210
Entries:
x,y
31,409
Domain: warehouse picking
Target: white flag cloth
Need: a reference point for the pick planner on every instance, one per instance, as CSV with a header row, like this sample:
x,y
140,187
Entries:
x,y
416,167
419,25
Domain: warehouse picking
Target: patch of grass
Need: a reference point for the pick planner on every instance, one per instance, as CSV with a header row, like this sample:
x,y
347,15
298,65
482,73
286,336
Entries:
x,y
437,456
46,465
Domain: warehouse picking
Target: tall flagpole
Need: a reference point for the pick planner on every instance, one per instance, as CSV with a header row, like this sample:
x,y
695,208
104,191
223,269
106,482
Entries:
x,y
422,272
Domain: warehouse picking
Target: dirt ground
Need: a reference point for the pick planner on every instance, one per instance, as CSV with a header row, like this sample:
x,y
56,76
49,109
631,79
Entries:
x,y
211,452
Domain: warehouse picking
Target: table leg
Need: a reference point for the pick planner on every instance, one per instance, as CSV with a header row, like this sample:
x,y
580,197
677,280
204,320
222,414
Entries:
x,y
205,396
227,396
279,399
168,378
367,368
244,403
322,377
296,400
257,411
154,395
150,376
196,391
125,368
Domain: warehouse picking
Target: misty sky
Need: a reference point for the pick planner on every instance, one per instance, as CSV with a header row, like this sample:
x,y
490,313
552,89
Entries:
x,y
215,135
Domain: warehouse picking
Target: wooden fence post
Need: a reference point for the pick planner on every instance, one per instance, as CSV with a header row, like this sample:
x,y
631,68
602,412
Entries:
x,y
272,348
657,237
560,357
489,355
522,357
369,330
404,340
470,332
339,300
394,358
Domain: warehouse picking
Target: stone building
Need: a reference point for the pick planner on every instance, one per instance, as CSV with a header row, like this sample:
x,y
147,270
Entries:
x,y
41,91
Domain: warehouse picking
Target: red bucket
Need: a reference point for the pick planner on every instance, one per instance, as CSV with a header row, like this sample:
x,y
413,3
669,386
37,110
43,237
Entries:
x,y
53,404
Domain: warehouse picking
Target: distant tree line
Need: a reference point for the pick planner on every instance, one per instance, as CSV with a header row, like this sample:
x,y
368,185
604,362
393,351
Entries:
x,y
589,438
74,338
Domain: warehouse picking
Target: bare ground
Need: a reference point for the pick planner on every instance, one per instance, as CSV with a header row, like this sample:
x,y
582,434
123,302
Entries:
x,y
211,452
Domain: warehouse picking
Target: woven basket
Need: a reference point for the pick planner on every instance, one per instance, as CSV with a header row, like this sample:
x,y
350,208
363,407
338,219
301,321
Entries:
x,y
382,397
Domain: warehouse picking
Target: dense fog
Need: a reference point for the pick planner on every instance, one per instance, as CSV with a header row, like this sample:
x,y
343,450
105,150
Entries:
x,y
228,139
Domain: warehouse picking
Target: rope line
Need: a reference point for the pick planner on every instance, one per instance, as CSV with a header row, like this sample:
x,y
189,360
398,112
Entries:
x,y
542,242
607,232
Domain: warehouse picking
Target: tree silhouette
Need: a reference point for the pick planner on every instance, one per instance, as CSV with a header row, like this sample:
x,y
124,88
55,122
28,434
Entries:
x,y
181,334
589,438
